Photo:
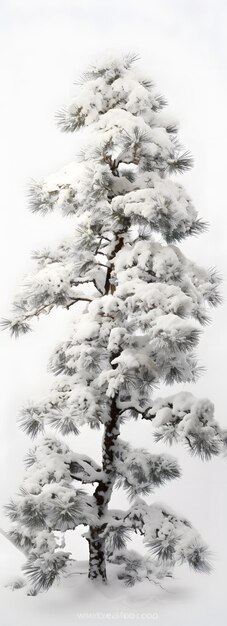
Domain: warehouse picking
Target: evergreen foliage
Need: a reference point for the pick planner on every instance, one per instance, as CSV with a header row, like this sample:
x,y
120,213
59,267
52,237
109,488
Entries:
x,y
144,304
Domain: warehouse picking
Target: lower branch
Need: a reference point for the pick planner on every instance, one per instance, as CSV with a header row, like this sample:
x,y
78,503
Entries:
x,y
9,538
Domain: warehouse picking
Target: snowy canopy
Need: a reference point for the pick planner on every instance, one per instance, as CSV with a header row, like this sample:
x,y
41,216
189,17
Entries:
x,y
144,304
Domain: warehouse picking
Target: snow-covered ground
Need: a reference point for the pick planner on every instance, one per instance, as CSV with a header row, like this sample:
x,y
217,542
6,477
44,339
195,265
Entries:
x,y
78,601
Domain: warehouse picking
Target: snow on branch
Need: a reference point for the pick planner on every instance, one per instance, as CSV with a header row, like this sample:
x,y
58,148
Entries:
x,y
48,501
114,84
43,569
184,418
136,568
170,539
166,208
43,291
139,472
84,468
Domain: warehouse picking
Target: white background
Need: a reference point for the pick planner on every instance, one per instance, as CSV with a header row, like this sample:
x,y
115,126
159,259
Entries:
x,y
45,45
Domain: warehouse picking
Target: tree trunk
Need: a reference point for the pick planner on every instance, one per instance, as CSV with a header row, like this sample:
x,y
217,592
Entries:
x,y
102,495
97,557
103,491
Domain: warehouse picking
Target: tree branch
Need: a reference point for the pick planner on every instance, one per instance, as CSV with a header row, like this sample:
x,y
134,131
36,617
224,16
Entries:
x,y
86,281
119,244
7,536
92,471
139,410
74,301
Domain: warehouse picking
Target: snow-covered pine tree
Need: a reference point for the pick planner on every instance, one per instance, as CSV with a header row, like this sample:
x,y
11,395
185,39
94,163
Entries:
x,y
142,304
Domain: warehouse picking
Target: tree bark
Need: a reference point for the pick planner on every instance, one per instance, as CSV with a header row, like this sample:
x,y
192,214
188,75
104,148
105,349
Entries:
x,y
103,491
97,557
102,495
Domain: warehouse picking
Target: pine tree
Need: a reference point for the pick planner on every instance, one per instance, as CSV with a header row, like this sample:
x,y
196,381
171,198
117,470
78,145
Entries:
x,y
143,303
